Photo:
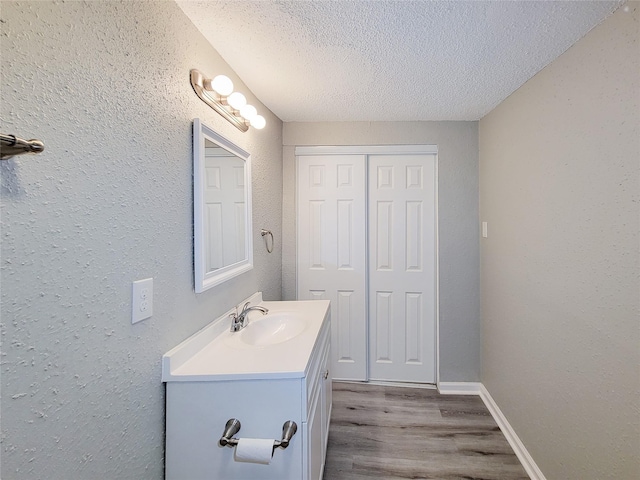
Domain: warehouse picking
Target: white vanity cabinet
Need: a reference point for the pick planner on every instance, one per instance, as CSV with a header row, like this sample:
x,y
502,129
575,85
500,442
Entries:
x,y
200,398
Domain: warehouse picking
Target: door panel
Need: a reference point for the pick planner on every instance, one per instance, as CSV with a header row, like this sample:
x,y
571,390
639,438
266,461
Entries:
x,y
331,259
224,209
402,267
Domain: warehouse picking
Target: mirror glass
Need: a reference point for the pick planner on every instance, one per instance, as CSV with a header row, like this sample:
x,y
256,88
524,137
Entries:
x,y
222,208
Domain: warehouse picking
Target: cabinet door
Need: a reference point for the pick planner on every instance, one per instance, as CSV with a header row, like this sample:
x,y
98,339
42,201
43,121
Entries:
x,y
331,261
327,399
315,447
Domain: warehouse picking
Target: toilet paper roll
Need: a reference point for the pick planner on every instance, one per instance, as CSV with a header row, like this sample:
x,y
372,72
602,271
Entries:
x,y
254,450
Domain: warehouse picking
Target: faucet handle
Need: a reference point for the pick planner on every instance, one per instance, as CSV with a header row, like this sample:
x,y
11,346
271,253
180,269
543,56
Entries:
x,y
235,326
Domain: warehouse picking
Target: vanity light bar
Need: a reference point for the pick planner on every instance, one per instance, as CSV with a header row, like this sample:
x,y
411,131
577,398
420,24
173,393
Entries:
x,y
218,94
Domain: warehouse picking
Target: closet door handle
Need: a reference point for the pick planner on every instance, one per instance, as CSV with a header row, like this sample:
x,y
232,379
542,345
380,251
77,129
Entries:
x,y
326,374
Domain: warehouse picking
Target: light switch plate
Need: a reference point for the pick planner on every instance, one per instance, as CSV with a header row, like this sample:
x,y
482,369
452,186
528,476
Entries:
x,y
142,300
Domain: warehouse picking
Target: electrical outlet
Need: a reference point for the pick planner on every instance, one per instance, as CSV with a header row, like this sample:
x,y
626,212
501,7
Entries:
x,y
142,300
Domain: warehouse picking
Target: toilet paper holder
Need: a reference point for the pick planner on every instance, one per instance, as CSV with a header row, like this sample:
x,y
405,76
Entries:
x,y
233,425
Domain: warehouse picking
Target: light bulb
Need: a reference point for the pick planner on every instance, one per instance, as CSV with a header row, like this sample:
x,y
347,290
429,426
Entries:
x,y
248,112
222,85
258,122
236,100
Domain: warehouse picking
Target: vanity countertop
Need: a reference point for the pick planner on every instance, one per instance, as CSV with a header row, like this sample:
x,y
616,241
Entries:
x,y
214,353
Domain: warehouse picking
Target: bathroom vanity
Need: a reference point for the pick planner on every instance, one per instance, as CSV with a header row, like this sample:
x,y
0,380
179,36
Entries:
x,y
272,371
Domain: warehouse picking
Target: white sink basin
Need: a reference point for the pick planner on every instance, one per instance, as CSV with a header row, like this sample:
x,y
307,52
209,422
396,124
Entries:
x,y
273,346
270,329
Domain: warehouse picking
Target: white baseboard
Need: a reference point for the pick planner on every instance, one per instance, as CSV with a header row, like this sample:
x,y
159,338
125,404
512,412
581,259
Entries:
x,y
459,388
518,447
474,388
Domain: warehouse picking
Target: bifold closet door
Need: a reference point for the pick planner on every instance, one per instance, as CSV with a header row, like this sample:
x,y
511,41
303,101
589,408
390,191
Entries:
x,y
331,244
402,278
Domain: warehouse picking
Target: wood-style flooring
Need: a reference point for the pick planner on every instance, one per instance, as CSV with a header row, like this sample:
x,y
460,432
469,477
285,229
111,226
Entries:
x,y
389,432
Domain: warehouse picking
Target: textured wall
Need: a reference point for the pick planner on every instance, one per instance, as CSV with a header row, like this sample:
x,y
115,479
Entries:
x,y
560,184
106,86
457,222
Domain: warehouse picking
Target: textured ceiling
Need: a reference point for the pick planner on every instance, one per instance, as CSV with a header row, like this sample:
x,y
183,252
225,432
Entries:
x,y
376,60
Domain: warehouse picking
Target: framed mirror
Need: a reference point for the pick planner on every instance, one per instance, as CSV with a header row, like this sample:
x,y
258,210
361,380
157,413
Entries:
x,y
223,247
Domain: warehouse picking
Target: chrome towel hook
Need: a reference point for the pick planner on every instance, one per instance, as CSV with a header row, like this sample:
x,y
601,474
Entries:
x,y
264,233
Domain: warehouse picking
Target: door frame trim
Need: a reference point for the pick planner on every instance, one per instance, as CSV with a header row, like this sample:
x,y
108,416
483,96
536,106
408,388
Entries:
x,y
366,150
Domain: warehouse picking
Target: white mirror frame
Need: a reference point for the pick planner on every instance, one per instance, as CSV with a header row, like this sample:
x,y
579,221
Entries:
x,y
203,279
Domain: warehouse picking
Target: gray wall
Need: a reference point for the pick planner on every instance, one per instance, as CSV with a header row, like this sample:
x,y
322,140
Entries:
x,y
106,86
559,183
457,222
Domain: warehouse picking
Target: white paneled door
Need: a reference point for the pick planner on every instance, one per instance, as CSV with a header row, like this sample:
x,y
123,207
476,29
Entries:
x,y
224,198
367,242
331,252
402,268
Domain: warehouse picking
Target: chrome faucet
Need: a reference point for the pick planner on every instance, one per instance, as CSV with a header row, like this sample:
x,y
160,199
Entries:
x,y
240,320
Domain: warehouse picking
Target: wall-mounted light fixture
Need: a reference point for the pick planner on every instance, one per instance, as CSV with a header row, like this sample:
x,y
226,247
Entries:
x,y
218,94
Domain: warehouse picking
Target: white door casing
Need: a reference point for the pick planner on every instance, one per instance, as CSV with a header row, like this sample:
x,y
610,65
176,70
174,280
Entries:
x,y
402,278
331,261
